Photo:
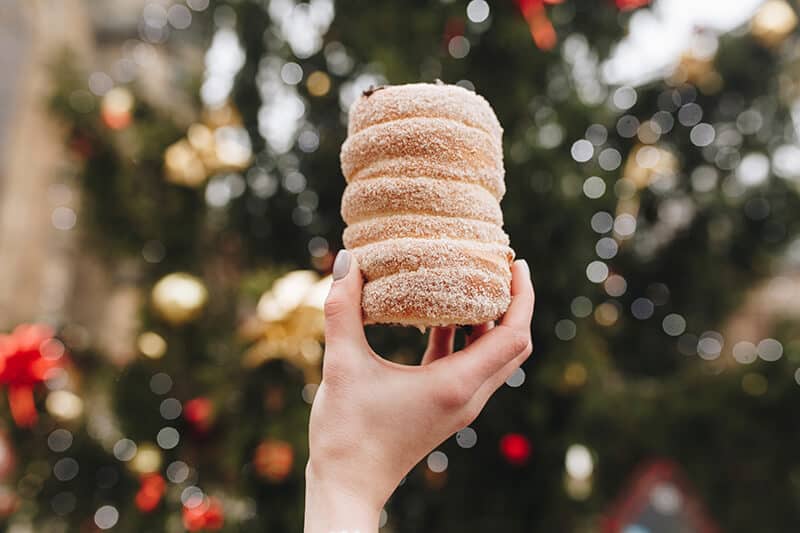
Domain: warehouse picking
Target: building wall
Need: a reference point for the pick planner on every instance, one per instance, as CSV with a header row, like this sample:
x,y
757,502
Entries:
x,y
35,264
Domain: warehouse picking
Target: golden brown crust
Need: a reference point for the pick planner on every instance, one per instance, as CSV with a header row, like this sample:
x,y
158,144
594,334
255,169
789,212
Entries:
x,y
389,257
383,196
424,100
424,166
419,167
421,227
439,141
436,297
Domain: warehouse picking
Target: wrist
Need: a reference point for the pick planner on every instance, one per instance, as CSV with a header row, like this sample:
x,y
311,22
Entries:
x,y
334,507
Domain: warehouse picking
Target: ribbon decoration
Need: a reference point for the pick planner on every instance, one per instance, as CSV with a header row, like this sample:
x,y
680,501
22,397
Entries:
x,y
542,30
627,5
150,492
207,515
26,357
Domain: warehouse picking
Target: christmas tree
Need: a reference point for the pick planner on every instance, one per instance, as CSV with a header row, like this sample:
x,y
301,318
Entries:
x,y
656,203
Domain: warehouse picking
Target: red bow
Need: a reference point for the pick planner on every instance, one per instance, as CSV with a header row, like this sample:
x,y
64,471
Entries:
x,y
26,356
542,31
627,5
150,492
206,516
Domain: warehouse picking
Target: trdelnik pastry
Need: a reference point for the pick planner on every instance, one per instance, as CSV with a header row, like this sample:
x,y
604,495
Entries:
x,y
424,166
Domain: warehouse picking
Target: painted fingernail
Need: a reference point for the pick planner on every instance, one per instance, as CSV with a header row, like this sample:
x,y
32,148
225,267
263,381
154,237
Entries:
x,y
341,266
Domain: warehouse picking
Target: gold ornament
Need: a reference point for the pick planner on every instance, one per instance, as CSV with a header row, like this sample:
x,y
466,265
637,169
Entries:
x,y
273,460
183,166
64,405
698,70
647,163
318,83
773,22
290,323
179,298
152,345
218,144
575,376
147,460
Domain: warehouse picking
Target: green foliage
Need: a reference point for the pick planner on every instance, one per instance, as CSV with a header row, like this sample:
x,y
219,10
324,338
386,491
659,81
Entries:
x,y
639,398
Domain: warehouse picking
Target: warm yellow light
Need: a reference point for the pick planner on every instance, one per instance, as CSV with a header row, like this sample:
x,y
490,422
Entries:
x,y
179,298
233,148
64,405
773,22
200,137
575,375
152,345
606,314
318,83
318,293
183,166
287,293
147,460
116,108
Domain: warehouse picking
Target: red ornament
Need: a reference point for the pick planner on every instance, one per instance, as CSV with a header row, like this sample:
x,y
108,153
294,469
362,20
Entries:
x,y
273,460
26,356
199,412
516,448
207,516
542,31
628,5
149,494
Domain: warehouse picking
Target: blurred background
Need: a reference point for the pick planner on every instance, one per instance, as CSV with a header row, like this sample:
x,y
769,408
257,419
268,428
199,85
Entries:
x,y
169,211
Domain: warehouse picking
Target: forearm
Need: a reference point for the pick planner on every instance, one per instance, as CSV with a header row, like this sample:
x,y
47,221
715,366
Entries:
x,y
332,509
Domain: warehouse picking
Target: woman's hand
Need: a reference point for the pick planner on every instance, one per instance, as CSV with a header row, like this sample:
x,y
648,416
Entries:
x,y
373,420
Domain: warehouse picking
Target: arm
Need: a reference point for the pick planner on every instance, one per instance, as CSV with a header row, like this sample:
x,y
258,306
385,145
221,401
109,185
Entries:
x,y
373,420
331,507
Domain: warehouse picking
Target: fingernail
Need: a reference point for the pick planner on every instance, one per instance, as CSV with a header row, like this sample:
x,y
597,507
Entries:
x,y
341,265
524,263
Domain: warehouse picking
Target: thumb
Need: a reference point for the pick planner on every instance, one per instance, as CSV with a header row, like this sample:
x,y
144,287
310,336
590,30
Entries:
x,y
343,322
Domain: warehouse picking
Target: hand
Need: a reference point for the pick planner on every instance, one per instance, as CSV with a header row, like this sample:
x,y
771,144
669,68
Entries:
x,y
372,420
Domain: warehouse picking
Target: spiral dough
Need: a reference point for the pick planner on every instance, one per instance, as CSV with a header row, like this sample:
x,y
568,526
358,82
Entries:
x,y
424,167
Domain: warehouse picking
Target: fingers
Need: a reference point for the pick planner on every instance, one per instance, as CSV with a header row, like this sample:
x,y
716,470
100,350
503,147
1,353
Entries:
x,y
491,385
344,327
477,331
487,355
440,343
520,312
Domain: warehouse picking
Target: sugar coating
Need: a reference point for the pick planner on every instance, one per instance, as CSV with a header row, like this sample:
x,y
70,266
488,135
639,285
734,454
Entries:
x,y
385,196
437,140
424,100
421,227
424,166
385,258
490,178
436,297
